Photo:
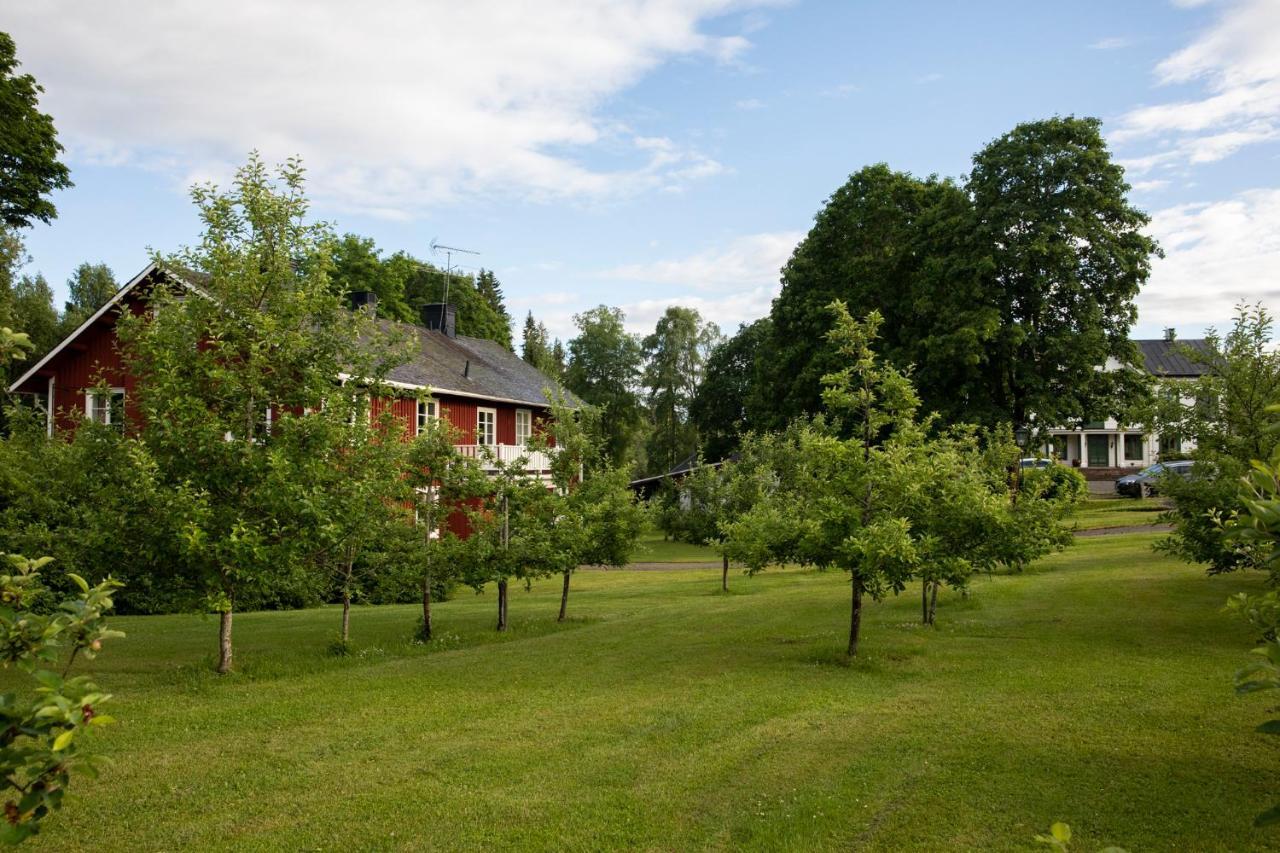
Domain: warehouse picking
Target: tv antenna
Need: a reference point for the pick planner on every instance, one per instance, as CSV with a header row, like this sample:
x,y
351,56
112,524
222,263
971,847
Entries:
x,y
436,248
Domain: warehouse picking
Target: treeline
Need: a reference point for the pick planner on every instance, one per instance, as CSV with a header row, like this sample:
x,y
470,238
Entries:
x,y
645,384
1001,294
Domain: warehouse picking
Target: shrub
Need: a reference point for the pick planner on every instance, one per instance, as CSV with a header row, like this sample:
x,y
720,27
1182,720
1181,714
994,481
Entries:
x,y
1056,483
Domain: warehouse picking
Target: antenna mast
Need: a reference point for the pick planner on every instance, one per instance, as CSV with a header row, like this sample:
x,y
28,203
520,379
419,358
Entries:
x,y
436,249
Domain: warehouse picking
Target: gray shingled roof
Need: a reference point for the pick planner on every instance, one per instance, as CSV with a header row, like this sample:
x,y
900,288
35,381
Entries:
x,y
439,362
1168,358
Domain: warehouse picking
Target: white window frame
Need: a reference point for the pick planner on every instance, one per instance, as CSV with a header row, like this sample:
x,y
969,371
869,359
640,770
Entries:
x,y
524,417
493,426
427,411
90,398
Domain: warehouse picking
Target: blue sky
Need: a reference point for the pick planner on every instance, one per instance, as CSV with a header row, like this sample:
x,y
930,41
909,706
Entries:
x,y
640,153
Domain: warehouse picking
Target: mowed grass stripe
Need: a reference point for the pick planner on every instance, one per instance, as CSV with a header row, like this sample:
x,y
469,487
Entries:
x,y
1095,688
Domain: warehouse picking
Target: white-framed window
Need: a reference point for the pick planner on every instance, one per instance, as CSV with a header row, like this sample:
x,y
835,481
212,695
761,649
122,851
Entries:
x,y
105,407
426,412
486,426
524,426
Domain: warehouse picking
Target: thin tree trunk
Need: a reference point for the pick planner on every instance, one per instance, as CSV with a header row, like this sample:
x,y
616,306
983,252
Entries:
x,y
564,598
224,641
502,604
426,606
346,601
924,602
506,544
933,603
855,616
724,574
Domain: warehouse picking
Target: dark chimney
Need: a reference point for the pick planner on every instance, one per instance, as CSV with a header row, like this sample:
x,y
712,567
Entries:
x,y
365,299
441,318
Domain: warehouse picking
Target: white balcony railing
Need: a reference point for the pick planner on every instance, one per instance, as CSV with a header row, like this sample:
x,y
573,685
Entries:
x,y
535,460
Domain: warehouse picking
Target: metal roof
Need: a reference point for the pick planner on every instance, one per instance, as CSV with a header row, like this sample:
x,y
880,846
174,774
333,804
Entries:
x,y
1163,357
471,367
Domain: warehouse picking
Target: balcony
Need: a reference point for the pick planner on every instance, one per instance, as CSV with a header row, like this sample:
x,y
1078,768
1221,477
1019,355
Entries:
x,y
535,461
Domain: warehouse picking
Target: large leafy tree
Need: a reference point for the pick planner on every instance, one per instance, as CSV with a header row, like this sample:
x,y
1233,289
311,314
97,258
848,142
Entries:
x,y
719,410
258,338
1003,294
865,250
1065,256
604,370
29,149
675,356
89,287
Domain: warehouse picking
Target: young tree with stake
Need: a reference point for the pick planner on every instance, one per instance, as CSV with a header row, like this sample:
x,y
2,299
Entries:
x,y
249,334
441,481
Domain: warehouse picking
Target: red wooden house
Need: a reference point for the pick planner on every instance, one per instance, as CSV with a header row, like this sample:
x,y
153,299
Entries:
x,y
490,395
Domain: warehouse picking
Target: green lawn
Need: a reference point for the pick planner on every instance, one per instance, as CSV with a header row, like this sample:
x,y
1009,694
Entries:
x,y
1097,512
651,548
1094,689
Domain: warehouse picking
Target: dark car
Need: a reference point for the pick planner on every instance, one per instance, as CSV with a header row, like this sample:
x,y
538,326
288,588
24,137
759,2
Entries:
x,y
1145,481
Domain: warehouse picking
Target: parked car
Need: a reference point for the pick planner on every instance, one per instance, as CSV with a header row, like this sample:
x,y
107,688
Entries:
x,y
1144,482
1035,462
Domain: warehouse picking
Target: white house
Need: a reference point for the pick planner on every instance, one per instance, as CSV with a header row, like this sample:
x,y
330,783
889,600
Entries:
x,y
1110,445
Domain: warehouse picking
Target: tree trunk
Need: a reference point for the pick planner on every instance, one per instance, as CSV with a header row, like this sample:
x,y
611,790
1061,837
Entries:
x,y
924,602
855,616
502,604
564,598
346,600
933,603
724,574
224,642
426,607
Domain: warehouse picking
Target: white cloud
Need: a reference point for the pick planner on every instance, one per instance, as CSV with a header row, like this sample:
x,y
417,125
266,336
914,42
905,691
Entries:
x,y
728,284
1111,43
1216,254
1149,186
750,104
749,261
1238,61
393,105
726,311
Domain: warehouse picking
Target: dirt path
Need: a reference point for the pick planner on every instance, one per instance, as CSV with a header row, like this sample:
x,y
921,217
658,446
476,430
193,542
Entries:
x,y
1128,528
660,567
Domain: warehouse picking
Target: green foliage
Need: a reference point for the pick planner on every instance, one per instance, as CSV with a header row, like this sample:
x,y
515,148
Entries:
x,y
43,735
33,313
537,348
404,285
1231,422
675,356
719,411
604,371
90,286
250,338
441,482
1056,483
1263,613
1004,294
29,147
93,500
